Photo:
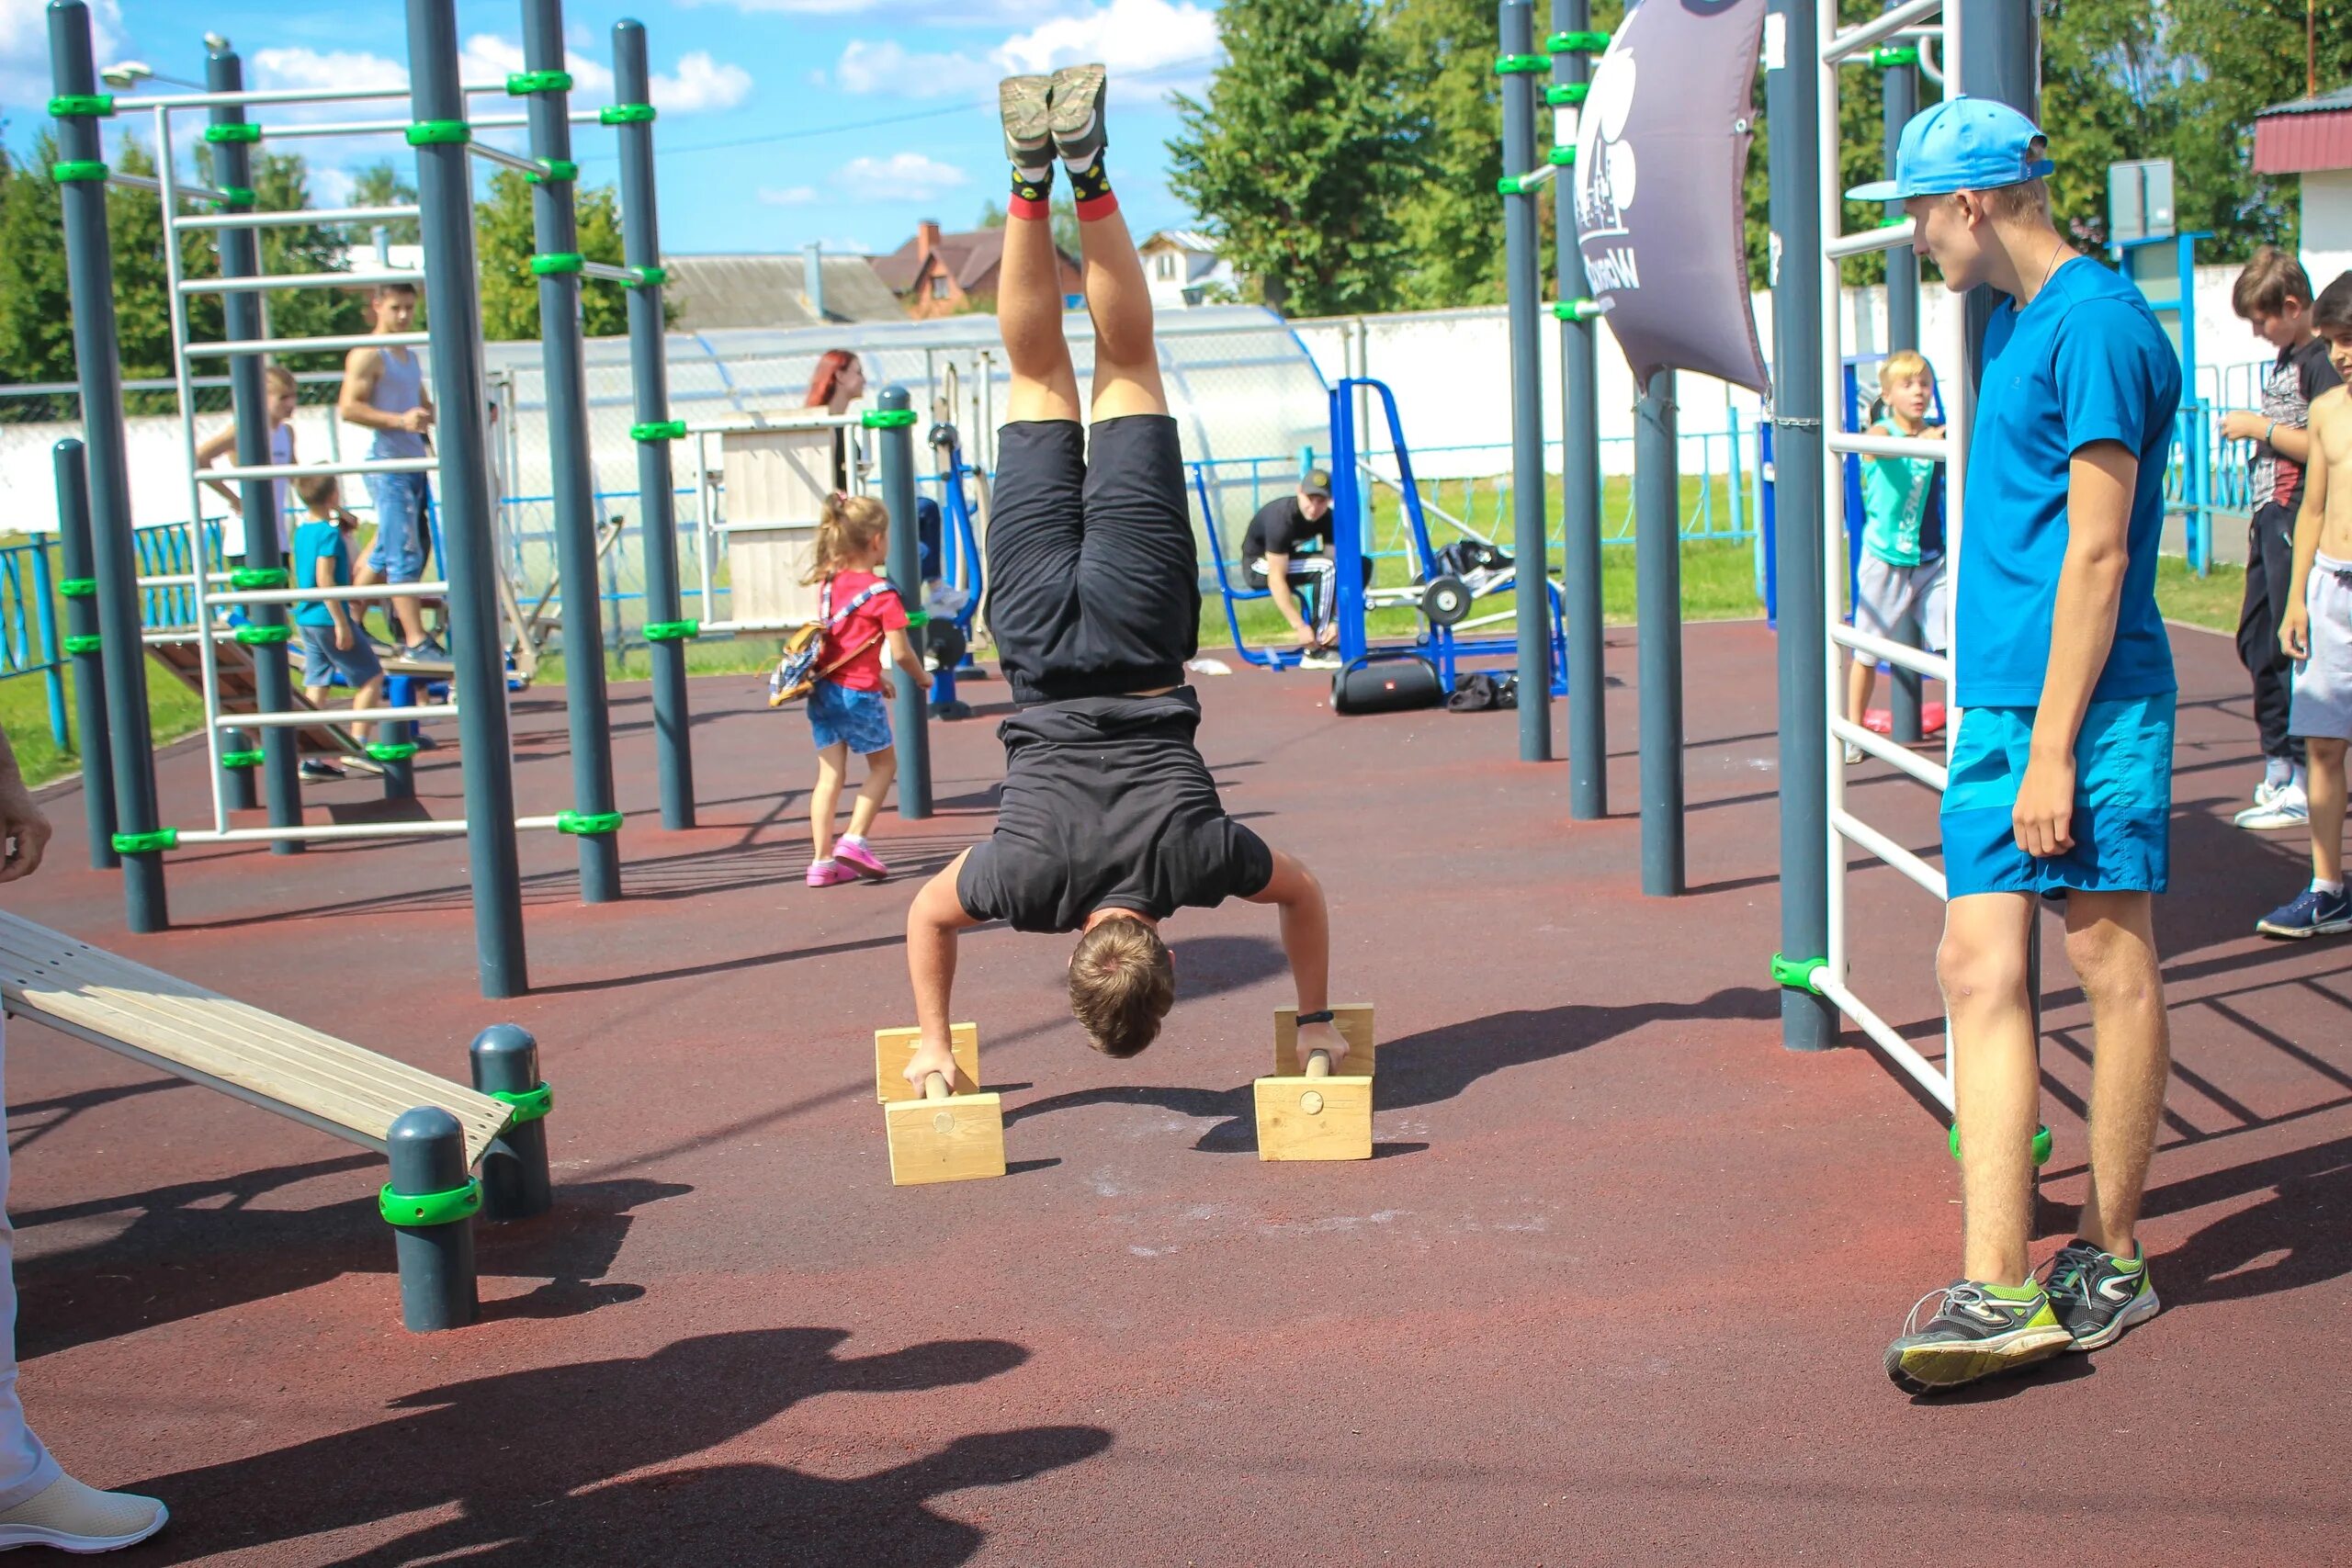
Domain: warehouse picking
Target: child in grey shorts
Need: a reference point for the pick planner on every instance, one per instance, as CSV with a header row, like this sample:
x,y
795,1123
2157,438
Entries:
x,y
331,641
1902,570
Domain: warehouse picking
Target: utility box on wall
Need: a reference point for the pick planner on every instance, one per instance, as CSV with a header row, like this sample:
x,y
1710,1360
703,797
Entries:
x,y
2139,201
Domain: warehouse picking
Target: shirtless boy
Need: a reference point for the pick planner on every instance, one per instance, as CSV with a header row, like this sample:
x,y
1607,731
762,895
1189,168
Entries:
x,y
1110,821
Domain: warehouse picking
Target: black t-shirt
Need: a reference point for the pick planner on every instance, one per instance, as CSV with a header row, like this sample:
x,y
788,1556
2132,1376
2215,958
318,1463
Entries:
x,y
1106,802
1281,529
2299,375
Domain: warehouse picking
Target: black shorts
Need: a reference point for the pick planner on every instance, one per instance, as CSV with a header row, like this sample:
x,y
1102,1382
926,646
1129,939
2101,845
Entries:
x,y
1093,583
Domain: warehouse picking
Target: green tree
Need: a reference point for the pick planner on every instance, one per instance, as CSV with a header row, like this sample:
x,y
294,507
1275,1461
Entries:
x,y
281,183
380,184
1299,157
1064,220
503,237
2243,58
36,315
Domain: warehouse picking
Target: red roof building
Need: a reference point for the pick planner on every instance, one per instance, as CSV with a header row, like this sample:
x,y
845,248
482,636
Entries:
x,y
2312,138
939,274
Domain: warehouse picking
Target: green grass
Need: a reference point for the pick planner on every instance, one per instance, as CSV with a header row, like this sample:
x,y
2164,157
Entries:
x,y
2210,601
172,711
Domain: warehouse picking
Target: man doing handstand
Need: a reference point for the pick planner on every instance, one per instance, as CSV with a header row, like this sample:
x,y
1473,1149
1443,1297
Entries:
x,y
1110,821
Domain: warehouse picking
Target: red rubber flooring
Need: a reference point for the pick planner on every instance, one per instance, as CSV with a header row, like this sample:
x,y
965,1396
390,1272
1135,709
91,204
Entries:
x,y
1615,1292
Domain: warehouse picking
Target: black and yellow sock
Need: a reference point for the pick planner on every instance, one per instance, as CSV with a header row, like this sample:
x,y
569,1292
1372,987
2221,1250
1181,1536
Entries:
x,y
1091,187
1033,191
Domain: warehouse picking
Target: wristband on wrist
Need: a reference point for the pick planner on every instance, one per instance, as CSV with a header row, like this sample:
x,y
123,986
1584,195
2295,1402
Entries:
x,y
1325,1015
2267,433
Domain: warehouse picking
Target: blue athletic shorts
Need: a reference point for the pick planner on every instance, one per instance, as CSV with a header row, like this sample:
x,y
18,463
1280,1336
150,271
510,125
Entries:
x,y
401,501
839,714
322,661
2122,803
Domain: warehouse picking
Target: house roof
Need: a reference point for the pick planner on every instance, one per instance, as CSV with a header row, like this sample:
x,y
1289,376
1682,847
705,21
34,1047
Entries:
x,y
718,292
2305,136
1183,240
2322,103
968,257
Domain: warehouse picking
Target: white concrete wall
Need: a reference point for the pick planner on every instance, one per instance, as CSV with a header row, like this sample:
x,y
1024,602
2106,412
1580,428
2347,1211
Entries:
x,y
2327,224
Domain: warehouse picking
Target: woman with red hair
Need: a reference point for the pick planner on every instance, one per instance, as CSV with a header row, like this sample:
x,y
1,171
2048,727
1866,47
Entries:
x,y
838,381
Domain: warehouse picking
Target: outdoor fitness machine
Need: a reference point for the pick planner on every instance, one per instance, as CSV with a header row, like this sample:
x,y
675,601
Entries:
x,y
442,135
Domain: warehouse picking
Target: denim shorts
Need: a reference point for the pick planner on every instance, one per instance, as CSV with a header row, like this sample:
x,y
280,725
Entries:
x,y
844,714
322,661
402,500
2123,802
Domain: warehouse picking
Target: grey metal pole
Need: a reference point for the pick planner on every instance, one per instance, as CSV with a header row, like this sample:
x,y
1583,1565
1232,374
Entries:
x,y
1523,265
241,315
82,646
1899,90
665,628
1658,612
430,1202
1579,444
445,195
594,819
910,711
89,271
1792,98
514,1181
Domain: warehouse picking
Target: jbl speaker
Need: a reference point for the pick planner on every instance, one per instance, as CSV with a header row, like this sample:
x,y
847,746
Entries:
x,y
1387,686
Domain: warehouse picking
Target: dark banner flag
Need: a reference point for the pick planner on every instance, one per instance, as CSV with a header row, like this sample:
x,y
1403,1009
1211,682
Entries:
x,y
1660,204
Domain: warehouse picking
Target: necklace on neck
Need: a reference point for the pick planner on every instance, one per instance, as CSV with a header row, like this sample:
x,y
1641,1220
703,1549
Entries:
x,y
2050,266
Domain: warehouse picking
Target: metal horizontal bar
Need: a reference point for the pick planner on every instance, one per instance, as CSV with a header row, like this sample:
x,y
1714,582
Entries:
x,y
315,594
724,528
177,101
1536,176
325,470
295,129
1883,238
310,344
148,182
305,718
608,272
1935,448
489,153
1934,666
432,827
1868,838
779,422
1900,1051
297,280
710,628
324,217
1879,28
1934,775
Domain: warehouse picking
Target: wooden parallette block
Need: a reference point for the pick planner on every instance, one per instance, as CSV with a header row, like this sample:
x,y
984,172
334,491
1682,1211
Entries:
x,y
1317,1117
945,1137
1353,1020
893,1047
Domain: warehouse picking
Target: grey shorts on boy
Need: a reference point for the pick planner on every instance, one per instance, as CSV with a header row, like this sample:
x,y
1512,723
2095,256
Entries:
x,y
2323,702
1884,593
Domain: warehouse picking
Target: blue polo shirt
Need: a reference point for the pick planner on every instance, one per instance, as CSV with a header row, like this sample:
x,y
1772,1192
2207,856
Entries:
x,y
317,539
2085,362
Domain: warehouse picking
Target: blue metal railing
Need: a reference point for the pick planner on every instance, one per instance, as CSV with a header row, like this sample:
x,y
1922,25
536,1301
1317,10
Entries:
x,y
29,644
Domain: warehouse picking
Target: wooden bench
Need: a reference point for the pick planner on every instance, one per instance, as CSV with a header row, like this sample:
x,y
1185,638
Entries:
x,y
176,1027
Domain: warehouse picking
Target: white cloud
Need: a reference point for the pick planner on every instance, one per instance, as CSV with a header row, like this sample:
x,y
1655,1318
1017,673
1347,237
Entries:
x,y
283,68
887,67
789,195
793,8
701,83
912,175
1126,35
24,48
331,187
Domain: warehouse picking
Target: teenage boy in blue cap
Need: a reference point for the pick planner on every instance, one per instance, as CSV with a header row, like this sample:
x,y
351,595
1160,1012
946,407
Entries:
x,y
2061,768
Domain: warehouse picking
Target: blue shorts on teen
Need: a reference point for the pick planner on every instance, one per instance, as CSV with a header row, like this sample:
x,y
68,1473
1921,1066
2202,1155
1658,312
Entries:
x,y
2085,362
839,715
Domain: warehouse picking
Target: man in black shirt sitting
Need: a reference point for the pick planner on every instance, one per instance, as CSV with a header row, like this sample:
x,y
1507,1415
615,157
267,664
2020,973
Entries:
x,y
1110,821
1287,547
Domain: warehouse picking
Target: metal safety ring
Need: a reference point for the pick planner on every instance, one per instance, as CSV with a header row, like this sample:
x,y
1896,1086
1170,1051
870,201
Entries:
x,y
409,1210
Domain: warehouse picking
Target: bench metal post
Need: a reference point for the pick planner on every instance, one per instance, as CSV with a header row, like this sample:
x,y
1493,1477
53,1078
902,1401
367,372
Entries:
x,y
1580,468
437,1260
515,1181
89,667
910,710
1658,596
556,233
399,771
445,187
241,316
98,355
1523,266
656,487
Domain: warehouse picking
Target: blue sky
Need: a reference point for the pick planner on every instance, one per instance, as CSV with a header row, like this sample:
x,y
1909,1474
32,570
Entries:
x,y
783,123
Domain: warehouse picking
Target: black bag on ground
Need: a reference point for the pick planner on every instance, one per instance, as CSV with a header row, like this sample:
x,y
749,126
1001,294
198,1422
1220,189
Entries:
x,y
1480,692
1387,686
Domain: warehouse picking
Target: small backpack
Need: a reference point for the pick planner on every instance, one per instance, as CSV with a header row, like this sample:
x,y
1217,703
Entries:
x,y
796,673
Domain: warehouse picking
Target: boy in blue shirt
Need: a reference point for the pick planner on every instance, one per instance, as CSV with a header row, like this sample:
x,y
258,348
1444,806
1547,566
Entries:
x,y
331,641
2062,766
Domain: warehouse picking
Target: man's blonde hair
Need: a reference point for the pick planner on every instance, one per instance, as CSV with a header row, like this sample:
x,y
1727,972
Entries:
x,y
2027,199
1902,365
281,379
1122,983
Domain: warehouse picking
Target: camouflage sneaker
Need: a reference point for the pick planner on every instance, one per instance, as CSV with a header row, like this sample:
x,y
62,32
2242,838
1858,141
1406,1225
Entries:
x,y
1078,101
1025,103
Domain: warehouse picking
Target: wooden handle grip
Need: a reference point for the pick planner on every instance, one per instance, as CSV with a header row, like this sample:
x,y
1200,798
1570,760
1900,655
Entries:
x,y
936,1086
1319,1064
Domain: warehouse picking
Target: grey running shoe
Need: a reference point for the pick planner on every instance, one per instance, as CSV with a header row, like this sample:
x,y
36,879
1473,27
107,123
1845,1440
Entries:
x,y
1974,1334
2099,1295
1078,96
1025,103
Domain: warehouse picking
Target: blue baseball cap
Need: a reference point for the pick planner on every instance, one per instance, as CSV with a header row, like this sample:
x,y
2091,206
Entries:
x,y
1959,144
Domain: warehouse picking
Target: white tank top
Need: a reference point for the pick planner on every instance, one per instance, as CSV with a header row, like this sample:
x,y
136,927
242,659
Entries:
x,y
233,527
400,387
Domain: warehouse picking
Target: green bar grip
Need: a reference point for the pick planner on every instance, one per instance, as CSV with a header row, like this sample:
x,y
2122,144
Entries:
x,y
1894,54
80,106
2042,1144
918,618
1521,64
1562,156
249,577
659,430
650,276
887,419
243,131
237,196
74,169
671,631
414,1209
79,587
252,758
1797,974
145,843
554,169
585,822
263,636
439,133
1508,186
1576,43
1561,93
528,1105
391,750
520,82
557,261
82,642
625,114
1575,310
